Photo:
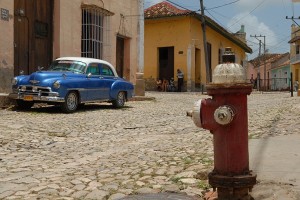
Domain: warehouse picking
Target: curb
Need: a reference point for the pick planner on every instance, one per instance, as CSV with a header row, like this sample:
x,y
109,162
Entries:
x,y
5,102
141,98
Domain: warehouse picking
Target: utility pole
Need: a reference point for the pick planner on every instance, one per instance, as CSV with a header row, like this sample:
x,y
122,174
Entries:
x,y
292,18
258,74
265,68
208,71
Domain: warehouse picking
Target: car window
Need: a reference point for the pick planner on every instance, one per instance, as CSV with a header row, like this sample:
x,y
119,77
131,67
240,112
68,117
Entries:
x,y
93,68
67,65
106,70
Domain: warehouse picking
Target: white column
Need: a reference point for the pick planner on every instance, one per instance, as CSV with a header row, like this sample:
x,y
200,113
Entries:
x,y
140,82
141,37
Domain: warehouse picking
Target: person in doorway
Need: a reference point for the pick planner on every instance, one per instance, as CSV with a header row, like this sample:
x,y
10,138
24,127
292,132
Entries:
x,y
296,85
171,87
159,85
179,79
165,84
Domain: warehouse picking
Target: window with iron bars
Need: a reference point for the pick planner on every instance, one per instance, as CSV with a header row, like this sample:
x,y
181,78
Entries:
x,y
94,37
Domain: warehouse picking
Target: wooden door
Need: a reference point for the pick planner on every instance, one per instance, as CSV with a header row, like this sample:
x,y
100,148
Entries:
x,y
120,56
32,35
21,45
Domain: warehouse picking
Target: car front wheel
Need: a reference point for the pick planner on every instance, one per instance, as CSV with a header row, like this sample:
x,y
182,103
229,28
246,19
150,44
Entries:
x,y
120,101
71,102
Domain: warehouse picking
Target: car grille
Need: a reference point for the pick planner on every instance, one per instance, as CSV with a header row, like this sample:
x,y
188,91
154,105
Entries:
x,y
35,90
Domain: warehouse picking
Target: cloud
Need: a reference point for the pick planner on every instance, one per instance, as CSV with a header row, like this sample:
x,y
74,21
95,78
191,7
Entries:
x,y
246,4
149,3
253,27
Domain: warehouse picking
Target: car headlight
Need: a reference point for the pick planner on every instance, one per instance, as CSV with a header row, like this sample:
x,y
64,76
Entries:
x,y
23,88
14,81
56,84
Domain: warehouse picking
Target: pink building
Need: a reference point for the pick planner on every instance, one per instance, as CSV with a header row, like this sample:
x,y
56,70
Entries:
x,y
261,67
33,33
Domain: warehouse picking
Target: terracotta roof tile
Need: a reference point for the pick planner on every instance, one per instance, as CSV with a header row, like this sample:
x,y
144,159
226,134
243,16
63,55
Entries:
x,y
269,57
164,9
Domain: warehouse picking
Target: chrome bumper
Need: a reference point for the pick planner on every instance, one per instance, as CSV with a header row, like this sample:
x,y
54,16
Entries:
x,y
36,97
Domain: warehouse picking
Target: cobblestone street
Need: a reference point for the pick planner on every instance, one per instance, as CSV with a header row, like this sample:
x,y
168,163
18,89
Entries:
x,y
147,147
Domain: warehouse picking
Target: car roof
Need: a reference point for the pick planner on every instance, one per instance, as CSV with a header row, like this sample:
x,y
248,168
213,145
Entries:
x,y
88,61
85,60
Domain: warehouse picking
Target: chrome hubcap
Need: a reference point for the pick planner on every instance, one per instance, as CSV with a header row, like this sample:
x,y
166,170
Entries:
x,y
72,101
121,98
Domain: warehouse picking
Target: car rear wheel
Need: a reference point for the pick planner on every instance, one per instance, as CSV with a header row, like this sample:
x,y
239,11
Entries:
x,y
120,101
71,102
24,105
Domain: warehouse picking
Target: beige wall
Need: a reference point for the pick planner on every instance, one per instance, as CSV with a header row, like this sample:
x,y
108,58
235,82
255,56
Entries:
x,y
123,22
67,34
6,47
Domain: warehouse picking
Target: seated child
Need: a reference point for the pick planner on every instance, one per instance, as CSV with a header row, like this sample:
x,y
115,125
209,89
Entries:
x,y
165,84
159,85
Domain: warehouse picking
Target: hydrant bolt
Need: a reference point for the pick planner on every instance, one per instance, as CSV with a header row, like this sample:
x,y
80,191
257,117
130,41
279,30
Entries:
x,y
224,115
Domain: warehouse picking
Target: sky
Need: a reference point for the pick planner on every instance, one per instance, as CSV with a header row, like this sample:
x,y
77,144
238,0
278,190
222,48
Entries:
x,y
260,17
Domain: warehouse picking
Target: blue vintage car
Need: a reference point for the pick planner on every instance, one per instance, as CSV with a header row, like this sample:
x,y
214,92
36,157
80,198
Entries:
x,y
70,82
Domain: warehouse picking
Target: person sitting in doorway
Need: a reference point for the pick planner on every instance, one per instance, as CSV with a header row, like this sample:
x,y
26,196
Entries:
x,y
171,86
159,85
165,84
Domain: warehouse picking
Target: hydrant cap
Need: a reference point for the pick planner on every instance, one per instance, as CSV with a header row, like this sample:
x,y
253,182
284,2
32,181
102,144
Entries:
x,y
229,72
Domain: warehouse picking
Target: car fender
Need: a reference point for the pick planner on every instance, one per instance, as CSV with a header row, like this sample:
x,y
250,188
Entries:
x,y
23,79
72,84
121,85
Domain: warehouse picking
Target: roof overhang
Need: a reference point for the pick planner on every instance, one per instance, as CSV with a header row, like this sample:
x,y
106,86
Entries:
x,y
212,24
295,39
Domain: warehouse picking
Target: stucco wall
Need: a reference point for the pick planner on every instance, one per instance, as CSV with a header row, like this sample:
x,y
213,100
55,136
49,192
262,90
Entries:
x,y
165,34
185,34
280,78
67,34
251,70
6,47
123,22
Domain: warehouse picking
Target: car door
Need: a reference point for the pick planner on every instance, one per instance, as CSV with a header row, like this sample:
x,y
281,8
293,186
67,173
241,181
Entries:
x,y
95,84
108,78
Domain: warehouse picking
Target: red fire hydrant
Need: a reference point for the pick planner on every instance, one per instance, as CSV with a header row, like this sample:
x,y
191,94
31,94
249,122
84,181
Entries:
x,y
225,115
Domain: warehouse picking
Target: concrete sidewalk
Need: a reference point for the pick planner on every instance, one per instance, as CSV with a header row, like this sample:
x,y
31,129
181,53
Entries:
x,y
276,159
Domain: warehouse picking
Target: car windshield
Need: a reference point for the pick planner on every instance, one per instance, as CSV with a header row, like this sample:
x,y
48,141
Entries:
x,y
68,65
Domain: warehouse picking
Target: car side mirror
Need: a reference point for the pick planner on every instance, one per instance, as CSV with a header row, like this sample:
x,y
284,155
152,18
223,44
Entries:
x,y
89,75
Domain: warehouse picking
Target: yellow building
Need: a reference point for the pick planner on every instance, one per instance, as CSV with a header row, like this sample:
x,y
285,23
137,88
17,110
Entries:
x,y
295,52
174,40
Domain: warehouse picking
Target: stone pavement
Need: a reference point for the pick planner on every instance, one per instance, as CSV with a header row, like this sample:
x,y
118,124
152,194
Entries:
x,y
149,147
